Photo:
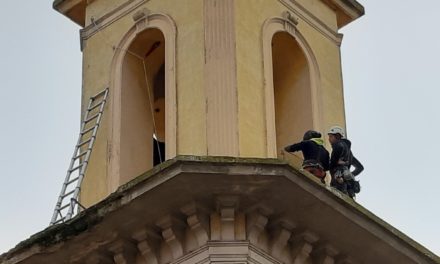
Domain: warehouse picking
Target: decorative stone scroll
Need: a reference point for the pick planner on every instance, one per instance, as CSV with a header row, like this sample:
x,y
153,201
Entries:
x,y
141,19
124,252
290,23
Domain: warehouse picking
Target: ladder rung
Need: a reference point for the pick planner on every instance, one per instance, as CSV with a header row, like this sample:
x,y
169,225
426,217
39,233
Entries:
x,y
59,221
77,167
88,130
71,181
98,94
95,106
67,194
97,101
92,117
84,142
81,154
63,207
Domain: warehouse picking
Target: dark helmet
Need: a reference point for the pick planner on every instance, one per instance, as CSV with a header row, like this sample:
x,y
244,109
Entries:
x,y
311,134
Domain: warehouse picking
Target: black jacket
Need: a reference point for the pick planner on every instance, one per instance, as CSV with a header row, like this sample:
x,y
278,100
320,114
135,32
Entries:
x,y
313,150
342,156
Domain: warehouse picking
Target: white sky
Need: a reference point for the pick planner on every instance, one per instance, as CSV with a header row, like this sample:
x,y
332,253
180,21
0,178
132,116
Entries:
x,y
391,65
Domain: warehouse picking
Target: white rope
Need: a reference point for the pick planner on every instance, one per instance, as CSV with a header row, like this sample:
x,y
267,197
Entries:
x,y
151,109
146,81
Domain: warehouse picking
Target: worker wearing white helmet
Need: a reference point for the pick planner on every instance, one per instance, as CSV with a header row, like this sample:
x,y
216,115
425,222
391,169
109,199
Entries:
x,y
341,160
334,130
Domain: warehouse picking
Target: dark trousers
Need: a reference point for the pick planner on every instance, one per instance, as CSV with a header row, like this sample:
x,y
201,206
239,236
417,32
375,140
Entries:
x,y
346,186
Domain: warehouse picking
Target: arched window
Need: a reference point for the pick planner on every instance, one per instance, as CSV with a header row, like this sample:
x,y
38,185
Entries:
x,y
292,91
143,103
292,97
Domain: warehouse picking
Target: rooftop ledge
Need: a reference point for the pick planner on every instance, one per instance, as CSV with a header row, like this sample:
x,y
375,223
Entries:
x,y
270,183
346,10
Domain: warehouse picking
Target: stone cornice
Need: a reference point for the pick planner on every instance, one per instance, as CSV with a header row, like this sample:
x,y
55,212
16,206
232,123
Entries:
x,y
107,19
312,20
73,9
249,186
118,12
66,6
346,10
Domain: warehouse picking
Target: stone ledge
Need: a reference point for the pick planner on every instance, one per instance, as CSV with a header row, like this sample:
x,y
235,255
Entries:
x,y
347,10
73,9
261,183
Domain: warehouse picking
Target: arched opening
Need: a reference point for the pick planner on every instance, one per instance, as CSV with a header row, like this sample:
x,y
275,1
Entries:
x,y
142,141
292,90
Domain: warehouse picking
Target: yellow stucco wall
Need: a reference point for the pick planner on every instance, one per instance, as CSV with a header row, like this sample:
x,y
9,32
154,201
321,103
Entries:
x,y
322,11
251,15
97,9
188,16
98,55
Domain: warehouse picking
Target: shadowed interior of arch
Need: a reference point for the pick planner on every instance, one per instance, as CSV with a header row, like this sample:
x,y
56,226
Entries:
x,y
292,90
143,105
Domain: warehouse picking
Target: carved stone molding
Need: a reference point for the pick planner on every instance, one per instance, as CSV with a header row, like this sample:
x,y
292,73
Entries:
x,y
281,231
325,254
198,223
141,14
227,223
172,239
173,233
290,17
255,226
290,22
148,243
124,252
140,18
306,16
100,23
302,246
305,224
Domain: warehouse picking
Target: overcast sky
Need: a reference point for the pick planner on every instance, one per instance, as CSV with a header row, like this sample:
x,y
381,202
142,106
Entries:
x,y
391,67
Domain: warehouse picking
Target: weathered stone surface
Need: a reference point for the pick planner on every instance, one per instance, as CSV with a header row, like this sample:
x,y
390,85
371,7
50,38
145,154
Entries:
x,y
158,217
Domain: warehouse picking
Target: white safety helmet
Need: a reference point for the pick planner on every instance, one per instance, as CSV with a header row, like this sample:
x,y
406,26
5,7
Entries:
x,y
337,130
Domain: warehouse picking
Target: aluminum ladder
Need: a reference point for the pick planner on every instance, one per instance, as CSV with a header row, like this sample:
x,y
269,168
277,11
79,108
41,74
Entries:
x,y
68,200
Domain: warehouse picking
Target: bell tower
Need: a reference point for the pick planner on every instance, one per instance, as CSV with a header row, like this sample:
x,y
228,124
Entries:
x,y
206,78
203,95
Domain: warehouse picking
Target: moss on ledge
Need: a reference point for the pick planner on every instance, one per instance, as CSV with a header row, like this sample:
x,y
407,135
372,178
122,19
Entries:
x,y
95,214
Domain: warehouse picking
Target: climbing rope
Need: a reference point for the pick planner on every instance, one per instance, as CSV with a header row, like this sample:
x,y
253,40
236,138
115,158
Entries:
x,y
154,46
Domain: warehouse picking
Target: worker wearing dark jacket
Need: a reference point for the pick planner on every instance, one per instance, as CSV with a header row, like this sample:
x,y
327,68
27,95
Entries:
x,y
340,162
316,157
